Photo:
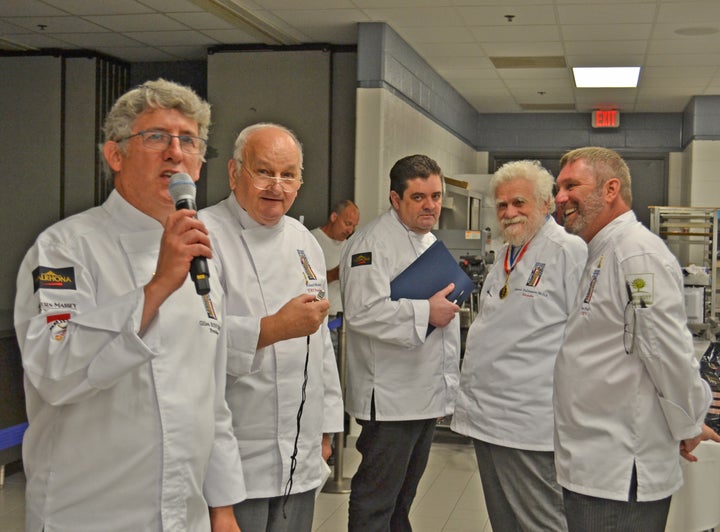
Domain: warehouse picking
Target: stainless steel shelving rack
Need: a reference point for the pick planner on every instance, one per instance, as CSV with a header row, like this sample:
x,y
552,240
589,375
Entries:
x,y
691,233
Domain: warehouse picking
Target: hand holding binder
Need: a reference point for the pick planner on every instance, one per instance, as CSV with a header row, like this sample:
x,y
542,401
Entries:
x,y
432,271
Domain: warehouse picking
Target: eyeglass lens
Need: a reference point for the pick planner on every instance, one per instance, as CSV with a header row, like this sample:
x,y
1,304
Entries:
x,y
264,182
160,140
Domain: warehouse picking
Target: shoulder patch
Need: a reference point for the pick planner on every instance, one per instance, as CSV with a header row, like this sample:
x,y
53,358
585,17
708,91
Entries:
x,y
54,278
361,259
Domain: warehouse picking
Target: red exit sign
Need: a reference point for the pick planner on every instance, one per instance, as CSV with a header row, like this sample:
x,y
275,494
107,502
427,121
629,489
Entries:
x,y
606,118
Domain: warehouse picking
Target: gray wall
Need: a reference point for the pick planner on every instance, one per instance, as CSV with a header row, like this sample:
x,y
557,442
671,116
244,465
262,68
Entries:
x,y
30,161
295,88
50,109
650,132
342,128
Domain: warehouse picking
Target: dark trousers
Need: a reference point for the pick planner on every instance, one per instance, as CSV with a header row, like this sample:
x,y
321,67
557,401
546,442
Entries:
x,y
394,456
592,514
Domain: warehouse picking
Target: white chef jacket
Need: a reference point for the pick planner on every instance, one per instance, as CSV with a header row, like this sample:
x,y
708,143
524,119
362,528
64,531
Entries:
x,y
388,356
613,408
506,383
262,268
331,248
126,433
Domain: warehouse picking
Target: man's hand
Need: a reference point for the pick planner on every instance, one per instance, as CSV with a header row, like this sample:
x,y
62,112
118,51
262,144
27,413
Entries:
x,y
442,311
184,238
333,274
326,446
222,519
301,316
688,446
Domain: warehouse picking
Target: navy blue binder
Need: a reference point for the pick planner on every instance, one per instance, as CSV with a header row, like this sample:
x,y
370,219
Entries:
x,y
432,271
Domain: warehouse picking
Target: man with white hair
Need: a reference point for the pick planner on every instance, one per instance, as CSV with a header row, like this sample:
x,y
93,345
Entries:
x,y
505,398
283,386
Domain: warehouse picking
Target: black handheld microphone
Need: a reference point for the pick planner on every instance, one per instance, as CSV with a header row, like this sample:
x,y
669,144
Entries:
x,y
182,190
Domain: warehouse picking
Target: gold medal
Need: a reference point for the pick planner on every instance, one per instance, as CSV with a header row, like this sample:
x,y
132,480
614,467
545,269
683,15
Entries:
x,y
504,292
509,266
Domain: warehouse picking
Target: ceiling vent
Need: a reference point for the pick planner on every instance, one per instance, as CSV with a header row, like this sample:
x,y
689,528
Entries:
x,y
529,62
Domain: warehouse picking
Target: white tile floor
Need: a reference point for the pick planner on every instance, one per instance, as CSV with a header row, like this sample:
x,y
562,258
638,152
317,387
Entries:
x,y
449,496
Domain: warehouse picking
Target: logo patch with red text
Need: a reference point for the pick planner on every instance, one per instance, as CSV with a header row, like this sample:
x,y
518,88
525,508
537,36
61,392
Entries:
x,y
54,278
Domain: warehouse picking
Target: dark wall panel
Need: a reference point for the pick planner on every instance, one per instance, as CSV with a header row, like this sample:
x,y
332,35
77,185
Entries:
x,y
30,161
287,87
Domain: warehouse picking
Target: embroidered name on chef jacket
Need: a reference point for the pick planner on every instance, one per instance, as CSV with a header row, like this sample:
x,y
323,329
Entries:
x,y
307,269
536,274
585,307
209,307
312,284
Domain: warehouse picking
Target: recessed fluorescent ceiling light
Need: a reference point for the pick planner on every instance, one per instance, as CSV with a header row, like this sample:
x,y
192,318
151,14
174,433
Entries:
x,y
606,77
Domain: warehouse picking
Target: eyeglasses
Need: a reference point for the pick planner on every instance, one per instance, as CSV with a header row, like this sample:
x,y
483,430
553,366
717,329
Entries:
x,y
629,328
629,320
263,181
160,140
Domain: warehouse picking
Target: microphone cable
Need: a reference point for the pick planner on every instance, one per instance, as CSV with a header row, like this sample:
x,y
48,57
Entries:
x,y
293,457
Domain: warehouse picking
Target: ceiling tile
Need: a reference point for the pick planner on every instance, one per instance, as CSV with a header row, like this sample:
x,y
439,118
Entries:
x,y
449,49
612,32
605,48
153,22
496,15
27,8
50,25
230,36
689,13
418,17
488,34
96,40
94,7
523,49
201,21
442,34
455,37
169,38
599,13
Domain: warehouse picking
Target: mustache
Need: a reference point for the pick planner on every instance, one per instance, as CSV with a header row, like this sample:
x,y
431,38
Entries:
x,y
514,220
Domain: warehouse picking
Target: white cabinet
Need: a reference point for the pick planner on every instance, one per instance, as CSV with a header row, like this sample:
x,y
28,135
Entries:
x,y
691,233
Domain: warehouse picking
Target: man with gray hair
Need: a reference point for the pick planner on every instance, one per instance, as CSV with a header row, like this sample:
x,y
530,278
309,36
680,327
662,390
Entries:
x,y
283,385
124,362
505,398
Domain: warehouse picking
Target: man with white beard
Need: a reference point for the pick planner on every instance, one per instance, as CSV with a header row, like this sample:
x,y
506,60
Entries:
x,y
505,398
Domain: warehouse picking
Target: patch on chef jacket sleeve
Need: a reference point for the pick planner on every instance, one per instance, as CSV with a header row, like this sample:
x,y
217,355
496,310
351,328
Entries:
x,y
642,287
57,324
54,278
361,259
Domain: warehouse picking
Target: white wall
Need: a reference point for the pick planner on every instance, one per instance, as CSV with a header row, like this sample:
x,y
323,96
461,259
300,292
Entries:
x,y
388,129
703,168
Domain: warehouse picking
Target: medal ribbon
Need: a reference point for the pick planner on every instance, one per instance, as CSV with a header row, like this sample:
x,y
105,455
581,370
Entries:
x,y
509,265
